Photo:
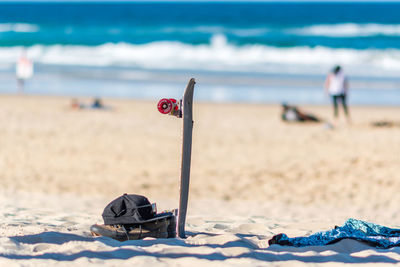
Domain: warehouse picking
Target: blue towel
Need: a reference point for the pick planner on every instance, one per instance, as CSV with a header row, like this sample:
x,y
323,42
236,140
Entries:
x,y
369,233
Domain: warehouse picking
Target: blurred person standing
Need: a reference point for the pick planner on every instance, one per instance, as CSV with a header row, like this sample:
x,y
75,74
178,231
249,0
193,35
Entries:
x,y
337,86
23,70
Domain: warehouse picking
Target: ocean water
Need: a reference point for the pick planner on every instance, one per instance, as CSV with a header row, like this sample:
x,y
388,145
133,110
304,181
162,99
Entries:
x,y
251,52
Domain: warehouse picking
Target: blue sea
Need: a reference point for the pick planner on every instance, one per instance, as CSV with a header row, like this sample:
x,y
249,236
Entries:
x,y
238,52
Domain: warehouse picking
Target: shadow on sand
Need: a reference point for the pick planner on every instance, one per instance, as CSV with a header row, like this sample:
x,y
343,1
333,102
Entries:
x,y
340,252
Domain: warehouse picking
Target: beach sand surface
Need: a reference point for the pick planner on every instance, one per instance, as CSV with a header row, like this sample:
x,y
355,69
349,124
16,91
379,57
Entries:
x,y
252,177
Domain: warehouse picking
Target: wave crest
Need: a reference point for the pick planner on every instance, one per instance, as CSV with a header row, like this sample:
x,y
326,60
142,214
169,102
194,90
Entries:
x,y
219,55
18,27
349,30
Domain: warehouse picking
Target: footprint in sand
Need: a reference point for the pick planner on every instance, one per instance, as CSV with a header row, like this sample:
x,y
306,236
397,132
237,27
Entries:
x,y
215,240
40,247
221,226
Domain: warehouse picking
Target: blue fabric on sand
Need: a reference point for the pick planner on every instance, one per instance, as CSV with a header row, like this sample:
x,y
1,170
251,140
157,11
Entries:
x,y
369,233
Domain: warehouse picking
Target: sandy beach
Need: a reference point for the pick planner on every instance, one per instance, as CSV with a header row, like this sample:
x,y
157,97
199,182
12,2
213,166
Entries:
x,y
252,177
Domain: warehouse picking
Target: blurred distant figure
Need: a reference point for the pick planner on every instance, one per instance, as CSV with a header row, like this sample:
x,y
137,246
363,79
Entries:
x,y
97,103
23,70
75,104
385,123
336,85
293,114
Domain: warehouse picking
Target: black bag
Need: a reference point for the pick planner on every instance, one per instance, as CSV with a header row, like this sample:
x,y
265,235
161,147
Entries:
x,y
132,217
128,209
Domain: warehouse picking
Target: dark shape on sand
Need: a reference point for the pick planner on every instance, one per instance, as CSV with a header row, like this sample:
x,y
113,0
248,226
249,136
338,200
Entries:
x,y
97,103
132,217
386,124
293,114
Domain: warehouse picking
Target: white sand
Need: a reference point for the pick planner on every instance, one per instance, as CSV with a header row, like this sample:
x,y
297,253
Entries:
x,y
41,229
252,177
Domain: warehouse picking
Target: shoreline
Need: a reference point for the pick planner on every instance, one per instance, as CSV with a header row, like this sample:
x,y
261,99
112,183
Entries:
x,y
217,87
153,99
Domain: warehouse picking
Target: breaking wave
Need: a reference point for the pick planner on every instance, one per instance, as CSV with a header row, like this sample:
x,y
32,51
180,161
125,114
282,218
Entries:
x,y
18,27
349,30
219,55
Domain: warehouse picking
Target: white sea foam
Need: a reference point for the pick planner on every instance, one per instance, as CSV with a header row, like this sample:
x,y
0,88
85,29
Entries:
x,y
349,30
193,29
241,32
18,27
219,55
328,30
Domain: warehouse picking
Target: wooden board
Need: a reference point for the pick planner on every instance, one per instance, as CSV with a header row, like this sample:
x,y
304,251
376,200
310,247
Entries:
x,y
187,116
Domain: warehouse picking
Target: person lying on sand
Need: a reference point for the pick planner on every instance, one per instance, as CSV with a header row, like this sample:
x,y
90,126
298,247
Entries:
x,y
96,104
75,104
293,114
